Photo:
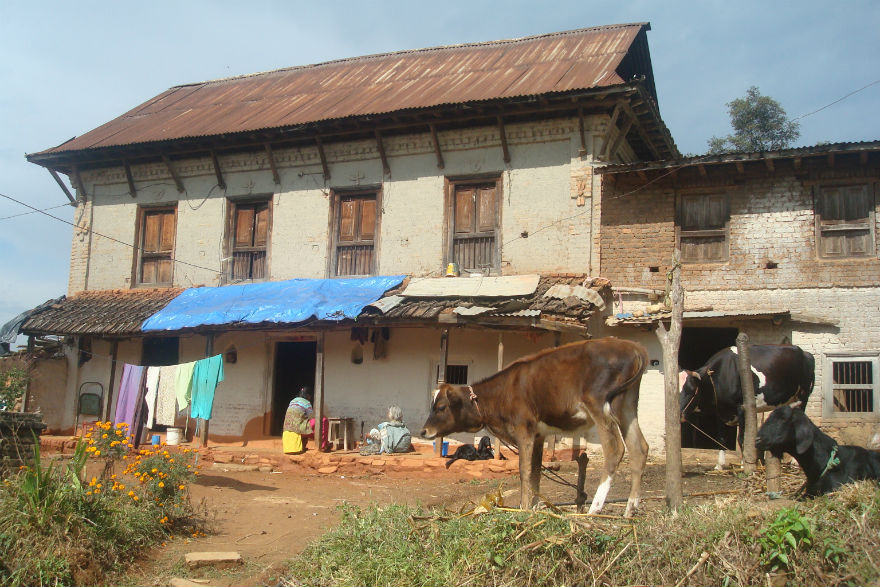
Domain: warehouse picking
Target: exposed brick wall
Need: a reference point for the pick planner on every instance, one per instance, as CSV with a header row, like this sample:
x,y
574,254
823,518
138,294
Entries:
x,y
771,219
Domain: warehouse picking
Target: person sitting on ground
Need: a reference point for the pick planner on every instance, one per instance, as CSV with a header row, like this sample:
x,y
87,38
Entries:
x,y
299,424
391,436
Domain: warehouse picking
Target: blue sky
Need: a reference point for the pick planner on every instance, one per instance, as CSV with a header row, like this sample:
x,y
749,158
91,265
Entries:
x,y
67,67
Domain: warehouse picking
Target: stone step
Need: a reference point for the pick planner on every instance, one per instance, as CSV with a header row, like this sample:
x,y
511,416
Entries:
x,y
217,560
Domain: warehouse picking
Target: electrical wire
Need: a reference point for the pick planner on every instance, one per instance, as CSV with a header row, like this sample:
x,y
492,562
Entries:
x,y
865,87
34,212
96,233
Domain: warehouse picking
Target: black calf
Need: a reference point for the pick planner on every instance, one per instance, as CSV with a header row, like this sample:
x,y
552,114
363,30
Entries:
x,y
469,453
826,464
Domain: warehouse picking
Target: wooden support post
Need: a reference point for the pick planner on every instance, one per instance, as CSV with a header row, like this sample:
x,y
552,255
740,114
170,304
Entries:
x,y
128,176
177,181
441,379
772,472
500,367
385,167
63,187
203,424
504,148
319,391
440,163
323,157
217,171
114,351
669,342
78,181
583,149
270,157
750,429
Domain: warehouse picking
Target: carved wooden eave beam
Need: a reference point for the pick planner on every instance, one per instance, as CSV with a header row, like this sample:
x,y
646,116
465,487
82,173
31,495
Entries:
x,y
130,178
385,167
831,160
740,168
702,169
504,147
217,171
583,149
270,157
642,175
863,158
78,181
323,157
62,186
177,181
797,163
434,139
612,128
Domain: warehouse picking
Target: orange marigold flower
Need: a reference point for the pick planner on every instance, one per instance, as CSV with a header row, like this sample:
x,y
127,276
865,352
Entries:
x,y
161,484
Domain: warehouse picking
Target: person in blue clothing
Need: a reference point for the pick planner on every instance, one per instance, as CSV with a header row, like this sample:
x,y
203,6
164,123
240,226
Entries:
x,y
392,435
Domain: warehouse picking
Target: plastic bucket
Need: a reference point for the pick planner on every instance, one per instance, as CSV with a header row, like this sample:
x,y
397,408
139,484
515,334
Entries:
x,y
155,440
444,450
173,437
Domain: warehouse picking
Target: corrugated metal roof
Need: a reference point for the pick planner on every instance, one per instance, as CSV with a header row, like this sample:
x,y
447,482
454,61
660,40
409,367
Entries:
x,y
377,84
472,287
103,312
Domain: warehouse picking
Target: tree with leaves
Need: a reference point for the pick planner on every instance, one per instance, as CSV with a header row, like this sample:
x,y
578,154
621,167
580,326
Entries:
x,y
759,124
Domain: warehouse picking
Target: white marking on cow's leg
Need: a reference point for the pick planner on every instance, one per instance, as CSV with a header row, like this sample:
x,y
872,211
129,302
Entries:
x,y
762,380
601,494
722,460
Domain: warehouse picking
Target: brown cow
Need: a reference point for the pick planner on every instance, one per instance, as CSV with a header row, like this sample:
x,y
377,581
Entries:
x,y
565,390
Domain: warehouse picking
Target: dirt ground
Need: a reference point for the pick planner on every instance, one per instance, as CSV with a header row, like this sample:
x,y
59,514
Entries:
x,y
269,517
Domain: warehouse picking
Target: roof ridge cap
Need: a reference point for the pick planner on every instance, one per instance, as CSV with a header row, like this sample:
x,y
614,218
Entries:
x,y
413,51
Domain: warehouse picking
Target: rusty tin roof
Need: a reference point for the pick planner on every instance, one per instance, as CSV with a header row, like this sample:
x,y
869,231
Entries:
x,y
556,63
113,312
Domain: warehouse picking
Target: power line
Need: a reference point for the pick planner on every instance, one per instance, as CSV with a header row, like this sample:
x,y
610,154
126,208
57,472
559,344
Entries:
x,y
875,82
33,212
90,231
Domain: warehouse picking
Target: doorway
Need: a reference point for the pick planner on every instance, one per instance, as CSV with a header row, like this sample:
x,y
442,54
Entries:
x,y
697,346
294,367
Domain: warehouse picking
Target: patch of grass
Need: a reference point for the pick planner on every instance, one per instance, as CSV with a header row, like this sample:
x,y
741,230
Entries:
x,y
729,542
58,529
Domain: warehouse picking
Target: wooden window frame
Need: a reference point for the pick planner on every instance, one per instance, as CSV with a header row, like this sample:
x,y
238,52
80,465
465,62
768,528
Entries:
x,y
232,205
337,196
702,233
140,254
828,385
452,183
822,226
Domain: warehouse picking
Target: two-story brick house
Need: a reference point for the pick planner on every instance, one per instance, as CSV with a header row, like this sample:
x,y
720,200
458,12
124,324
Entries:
x,y
782,245
392,166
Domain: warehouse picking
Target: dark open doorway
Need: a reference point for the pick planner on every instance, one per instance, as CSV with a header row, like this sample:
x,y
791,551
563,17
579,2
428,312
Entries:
x,y
697,346
294,367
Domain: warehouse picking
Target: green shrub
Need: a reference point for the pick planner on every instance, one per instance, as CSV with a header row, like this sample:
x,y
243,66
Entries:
x,y
13,382
787,533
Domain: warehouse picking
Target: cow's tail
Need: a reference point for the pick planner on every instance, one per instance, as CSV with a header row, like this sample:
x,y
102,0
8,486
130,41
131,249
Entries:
x,y
643,364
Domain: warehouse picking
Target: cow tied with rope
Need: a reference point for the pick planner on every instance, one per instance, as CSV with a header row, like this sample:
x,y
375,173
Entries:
x,y
565,390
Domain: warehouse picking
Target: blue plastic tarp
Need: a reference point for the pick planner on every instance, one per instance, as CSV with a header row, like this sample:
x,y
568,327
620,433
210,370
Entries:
x,y
279,302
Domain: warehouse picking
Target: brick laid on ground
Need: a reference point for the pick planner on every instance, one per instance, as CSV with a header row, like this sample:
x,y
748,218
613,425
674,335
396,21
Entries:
x,y
219,560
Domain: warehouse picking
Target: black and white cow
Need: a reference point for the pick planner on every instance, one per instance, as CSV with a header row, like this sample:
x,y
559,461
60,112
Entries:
x,y
781,375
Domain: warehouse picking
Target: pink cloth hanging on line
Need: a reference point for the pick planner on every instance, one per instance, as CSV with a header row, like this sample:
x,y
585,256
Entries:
x,y
129,392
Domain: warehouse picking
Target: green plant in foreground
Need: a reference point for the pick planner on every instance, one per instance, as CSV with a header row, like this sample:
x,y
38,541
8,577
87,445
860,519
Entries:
x,y
13,382
788,532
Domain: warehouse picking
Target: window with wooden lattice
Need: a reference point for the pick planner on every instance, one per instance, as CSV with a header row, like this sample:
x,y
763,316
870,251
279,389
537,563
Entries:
x,y
249,230
474,220
357,222
155,259
845,220
703,227
852,386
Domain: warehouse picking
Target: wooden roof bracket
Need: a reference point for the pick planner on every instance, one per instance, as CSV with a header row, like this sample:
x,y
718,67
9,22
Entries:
x,y
385,167
217,171
642,133
831,160
270,157
583,150
131,189
702,169
323,157
740,168
504,147
62,186
612,148
612,127
769,164
440,163
78,181
173,173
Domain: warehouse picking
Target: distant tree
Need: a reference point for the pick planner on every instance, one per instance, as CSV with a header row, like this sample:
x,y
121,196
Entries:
x,y
759,124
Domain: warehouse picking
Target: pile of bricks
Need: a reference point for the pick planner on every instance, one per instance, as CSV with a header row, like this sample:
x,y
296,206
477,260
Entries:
x,y
17,438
